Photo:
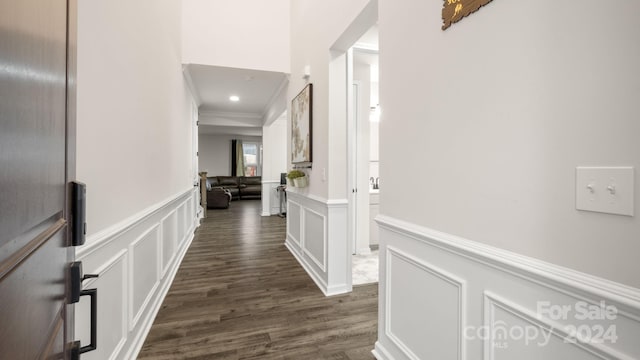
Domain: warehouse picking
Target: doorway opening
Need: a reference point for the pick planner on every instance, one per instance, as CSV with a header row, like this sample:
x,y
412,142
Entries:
x,y
349,101
363,149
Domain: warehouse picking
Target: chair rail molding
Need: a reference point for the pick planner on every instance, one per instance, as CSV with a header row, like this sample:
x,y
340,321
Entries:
x,y
316,236
137,260
428,278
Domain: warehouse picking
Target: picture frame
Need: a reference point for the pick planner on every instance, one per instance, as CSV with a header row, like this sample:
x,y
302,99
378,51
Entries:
x,y
301,126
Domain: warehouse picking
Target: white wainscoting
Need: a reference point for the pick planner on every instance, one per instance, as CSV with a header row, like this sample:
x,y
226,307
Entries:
x,y
317,237
270,198
137,260
440,295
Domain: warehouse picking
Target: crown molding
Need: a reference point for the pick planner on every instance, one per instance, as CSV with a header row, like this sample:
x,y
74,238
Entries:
x,y
366,48
283,87
192,87
229,115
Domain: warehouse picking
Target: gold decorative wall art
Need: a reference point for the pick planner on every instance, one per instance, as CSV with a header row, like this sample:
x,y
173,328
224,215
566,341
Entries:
x,y
455,10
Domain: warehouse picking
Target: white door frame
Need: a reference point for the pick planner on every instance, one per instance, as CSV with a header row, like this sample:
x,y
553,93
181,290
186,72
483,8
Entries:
x,y
337,79
352,155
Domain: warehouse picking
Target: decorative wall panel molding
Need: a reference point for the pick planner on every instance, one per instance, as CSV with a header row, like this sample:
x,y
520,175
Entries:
x,y
169,240
432,287
316,236
316,231
537,331
144,274
112,308
501,288
294,223
137,261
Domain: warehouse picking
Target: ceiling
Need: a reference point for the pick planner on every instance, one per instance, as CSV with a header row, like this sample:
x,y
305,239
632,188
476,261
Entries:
x,y
365,51
213,85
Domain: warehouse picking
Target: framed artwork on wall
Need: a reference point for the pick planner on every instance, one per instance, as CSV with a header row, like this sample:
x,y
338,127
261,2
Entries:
x,y
301,124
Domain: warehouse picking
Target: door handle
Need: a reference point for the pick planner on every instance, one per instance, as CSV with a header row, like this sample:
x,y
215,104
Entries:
x,y
77,278
93,294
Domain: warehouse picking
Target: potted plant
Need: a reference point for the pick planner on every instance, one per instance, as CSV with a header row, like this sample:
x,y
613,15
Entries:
x,y
298,177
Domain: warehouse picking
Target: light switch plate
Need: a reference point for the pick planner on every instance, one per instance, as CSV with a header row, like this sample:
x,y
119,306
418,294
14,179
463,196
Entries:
x,y
605,189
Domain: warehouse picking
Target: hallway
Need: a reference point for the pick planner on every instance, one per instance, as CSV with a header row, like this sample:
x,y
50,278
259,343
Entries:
x,y
239,294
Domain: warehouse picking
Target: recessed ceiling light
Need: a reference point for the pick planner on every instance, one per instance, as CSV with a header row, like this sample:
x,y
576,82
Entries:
x,y
234,98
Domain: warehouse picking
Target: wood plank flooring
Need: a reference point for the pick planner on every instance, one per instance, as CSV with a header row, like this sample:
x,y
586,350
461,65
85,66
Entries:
x,y
240,294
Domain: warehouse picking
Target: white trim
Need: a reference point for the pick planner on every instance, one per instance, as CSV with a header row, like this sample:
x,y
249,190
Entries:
x,y
334,273
163,237
281,92
322,285
380,352
133,318
333,203
120,257
295,240
325,245
491,301
366,48
104,237
230,115
186,72
187,224
138,340
434,271
122,241
339,202
567,281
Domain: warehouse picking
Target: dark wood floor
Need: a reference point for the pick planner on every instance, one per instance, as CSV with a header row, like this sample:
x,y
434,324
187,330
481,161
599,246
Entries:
x,y
239,294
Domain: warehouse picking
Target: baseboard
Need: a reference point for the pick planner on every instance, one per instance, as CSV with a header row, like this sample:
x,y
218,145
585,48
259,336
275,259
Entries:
x,y
363,251
317,232
322,285
139,339
381,353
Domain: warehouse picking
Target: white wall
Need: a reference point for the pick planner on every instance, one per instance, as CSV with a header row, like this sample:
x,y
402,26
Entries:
x,y
492,116
315,27
317,228
251,34
215,153
488,120
274,144
134,152
274,162
133,108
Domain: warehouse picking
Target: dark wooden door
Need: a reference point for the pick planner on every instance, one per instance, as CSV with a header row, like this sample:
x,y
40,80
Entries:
x,y
34,171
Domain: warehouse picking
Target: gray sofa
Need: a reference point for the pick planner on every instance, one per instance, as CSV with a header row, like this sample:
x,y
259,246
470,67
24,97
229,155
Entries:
x,y
240,187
